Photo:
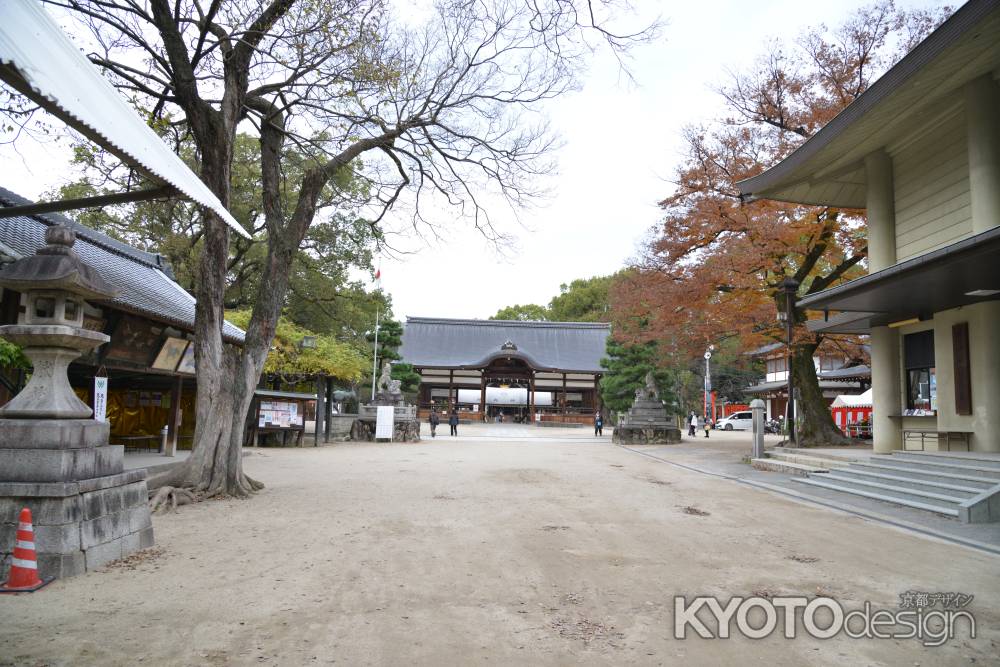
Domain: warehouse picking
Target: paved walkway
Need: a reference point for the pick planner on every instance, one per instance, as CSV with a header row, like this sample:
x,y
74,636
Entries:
x,y
480,551
153,460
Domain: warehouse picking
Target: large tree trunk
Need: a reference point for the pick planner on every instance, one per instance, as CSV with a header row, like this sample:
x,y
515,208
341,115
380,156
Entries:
x,y
224,388
227,376
816,427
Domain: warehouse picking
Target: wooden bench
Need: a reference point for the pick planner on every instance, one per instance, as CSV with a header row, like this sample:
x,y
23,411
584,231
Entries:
x,y
922,435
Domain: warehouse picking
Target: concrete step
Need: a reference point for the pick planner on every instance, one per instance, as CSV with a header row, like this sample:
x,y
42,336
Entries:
x,y
924,472
894,490
778,465
805,451
948,488
977,460
916,504
950,468
806,459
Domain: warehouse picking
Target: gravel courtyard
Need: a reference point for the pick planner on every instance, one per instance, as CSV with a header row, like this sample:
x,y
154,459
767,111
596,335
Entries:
x,y
488,549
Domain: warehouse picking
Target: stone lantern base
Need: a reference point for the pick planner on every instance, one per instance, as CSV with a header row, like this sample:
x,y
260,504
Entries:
x,y
647,423
87,510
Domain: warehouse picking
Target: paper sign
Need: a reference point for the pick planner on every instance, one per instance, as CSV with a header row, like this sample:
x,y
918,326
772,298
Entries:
x,y
383,422
101,399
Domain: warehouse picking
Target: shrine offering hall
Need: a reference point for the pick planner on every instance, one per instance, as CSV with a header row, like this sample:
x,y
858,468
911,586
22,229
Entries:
x,y
516,371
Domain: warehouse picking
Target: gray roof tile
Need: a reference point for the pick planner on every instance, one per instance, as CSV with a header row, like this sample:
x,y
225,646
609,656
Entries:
x,y
566,346
144,279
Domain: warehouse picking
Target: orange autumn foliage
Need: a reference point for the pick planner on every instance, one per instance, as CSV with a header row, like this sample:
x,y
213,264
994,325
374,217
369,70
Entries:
x,y
710,270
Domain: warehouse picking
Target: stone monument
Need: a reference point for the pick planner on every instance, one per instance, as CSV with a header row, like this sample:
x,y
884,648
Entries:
x,y
55,459
647,421
405,425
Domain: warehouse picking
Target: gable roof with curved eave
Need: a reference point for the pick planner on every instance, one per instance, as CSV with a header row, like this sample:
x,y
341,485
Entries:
x,y
144,280
551,346
828,169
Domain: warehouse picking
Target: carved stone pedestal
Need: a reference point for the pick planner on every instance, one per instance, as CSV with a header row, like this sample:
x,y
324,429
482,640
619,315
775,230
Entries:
x,y
647,423
402,431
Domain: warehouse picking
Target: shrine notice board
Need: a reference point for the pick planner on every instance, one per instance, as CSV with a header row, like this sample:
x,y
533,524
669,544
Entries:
x,y
383,422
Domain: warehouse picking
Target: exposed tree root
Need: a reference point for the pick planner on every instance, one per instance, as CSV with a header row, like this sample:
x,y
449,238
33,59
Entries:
x,y
168,498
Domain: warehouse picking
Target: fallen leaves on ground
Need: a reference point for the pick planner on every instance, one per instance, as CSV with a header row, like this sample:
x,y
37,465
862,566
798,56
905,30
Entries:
x,y
803,559
133,561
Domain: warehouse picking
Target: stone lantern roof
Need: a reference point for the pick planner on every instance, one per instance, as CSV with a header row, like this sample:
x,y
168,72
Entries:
x,y
56,267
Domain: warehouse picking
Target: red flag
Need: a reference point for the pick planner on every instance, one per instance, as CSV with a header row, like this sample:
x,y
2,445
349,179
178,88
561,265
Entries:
x,y
378,273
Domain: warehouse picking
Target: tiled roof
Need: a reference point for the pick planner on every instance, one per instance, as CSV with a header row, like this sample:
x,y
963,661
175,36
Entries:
x,y
145,281
849,373
446,343
761,387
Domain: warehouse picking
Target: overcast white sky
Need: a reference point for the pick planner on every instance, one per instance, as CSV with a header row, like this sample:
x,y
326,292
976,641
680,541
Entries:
x,y
621,145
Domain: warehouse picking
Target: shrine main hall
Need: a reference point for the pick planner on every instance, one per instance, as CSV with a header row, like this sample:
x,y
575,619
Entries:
x,y
511,370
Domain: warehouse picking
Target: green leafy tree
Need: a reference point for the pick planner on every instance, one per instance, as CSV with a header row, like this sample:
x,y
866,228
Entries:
x,y
319,284
528,312
293,363
409,378
390,338
11,356
627,366
583,300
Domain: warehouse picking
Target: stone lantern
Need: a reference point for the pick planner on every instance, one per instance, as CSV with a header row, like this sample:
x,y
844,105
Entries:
x,y
55,460
55,283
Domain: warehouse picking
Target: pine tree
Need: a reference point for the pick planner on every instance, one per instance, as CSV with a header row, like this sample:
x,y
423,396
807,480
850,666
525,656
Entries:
x,y
627,366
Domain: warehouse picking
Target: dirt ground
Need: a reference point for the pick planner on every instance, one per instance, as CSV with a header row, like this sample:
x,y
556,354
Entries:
x,y
486,550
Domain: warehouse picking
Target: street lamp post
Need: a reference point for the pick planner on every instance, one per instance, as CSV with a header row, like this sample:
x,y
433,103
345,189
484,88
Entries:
x,y
790,287
708,378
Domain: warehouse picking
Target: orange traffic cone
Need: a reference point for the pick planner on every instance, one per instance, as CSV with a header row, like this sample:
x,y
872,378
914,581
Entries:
x,y
23,577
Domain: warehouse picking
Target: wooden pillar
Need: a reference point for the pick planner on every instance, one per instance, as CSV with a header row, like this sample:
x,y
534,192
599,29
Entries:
x,y
531,399
452,399
320,409
174,420
597,392
482,394
564,397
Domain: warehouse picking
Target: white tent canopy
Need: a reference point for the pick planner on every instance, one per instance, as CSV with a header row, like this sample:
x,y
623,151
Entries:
x,y
40,61
501,396
853,400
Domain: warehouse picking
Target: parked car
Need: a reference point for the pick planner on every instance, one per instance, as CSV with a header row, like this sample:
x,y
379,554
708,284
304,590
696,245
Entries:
x,y
738,421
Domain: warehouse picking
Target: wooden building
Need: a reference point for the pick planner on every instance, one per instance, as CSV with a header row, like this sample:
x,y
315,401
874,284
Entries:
x,y
149,362
837,376
556,365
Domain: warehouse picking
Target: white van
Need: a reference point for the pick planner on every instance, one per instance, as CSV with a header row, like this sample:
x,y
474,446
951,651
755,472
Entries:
x,y
738,421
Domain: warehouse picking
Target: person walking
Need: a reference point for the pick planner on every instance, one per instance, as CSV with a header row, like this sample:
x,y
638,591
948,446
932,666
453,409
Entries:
x,y
598,424
435,419
708,425
692,423
453,421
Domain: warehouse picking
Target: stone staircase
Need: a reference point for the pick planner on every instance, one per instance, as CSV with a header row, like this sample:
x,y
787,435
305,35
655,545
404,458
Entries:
x,y
798,461
965,487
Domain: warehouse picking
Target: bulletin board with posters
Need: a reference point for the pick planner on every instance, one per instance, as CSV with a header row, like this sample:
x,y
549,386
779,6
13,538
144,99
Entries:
x,y
278,418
